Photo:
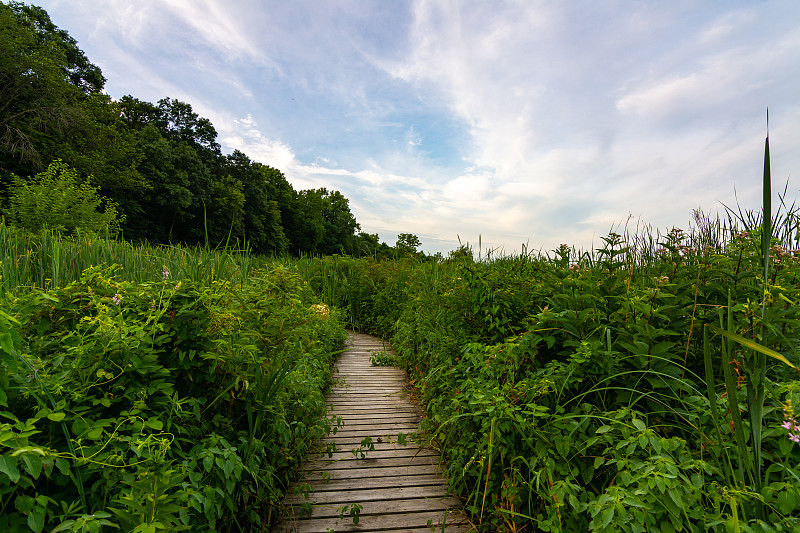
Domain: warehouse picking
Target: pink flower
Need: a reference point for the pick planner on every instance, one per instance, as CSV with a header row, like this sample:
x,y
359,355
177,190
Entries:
x,y
790,424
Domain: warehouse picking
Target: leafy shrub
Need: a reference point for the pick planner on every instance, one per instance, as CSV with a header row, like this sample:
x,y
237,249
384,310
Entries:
x,y
57,199
167,405
572,396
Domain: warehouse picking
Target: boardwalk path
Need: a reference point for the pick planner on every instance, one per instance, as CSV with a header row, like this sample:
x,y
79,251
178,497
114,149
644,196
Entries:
x,y
398,487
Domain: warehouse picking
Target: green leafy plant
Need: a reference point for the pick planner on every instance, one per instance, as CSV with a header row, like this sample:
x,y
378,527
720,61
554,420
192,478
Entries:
x,y
58,200
384,359
353,510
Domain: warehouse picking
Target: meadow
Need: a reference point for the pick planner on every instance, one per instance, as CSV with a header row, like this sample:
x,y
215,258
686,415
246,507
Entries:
x,y
650,384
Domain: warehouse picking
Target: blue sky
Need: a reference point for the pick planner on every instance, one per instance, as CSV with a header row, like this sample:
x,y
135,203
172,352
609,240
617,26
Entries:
x,y
522,122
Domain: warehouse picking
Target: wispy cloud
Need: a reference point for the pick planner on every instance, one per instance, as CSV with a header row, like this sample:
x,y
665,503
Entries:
x,y
535,122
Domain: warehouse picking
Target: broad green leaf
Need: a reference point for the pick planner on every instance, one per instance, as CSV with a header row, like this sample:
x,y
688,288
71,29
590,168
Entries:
x,y
33,465
227,468
56,417
36,519
6,343
786,502
8,466
606,517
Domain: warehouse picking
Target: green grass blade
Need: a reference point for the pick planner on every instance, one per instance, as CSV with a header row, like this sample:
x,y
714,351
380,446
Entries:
x,y
751,344
712,399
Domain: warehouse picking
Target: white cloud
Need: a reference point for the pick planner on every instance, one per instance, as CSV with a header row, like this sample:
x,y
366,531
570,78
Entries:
x,y
246,137
568,116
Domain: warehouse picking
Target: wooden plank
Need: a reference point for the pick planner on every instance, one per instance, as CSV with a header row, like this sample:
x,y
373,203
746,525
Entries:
x,y
407,429
368,462
342,483
355,415
409,451
310,476
431,493
347,444
338,409
371,411
352,422
409,521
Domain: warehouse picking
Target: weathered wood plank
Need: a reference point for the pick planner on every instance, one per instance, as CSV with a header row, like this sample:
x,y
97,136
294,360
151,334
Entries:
x,y
347,444
343,455
432,493
406,521
374,433
375,410
367,462
364,473
317,483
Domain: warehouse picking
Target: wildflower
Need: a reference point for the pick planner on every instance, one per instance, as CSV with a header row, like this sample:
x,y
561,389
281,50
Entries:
x,y
116,299
790,423
321,310
165,273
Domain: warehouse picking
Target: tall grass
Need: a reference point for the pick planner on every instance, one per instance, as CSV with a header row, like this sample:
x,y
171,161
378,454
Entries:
x,y
48,260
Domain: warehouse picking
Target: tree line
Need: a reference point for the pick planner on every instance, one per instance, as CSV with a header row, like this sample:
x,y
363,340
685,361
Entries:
x,y
155,169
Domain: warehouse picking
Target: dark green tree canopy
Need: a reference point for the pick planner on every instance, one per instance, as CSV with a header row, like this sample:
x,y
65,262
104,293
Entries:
x,y
36,96
77,68
174,118
407,244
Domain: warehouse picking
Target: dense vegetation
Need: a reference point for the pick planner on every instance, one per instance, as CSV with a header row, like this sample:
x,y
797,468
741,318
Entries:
x,y
649,386
153,389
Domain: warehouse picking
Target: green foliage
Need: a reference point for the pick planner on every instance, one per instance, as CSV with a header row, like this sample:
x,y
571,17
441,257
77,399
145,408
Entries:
x,y
169,404
572,393
78,69
58,200
36,92
384,359
407,244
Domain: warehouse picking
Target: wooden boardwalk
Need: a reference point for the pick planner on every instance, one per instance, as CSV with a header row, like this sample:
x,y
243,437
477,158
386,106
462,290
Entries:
x,y
398,487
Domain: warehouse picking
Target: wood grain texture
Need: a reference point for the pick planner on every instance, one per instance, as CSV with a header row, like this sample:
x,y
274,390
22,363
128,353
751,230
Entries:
x,y
397,483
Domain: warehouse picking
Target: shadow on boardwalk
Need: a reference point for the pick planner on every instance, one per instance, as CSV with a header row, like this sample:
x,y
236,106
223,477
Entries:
x,y
391,486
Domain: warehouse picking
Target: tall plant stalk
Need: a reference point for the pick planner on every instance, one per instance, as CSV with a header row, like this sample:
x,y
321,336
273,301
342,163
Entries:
x,y
760,359
750,463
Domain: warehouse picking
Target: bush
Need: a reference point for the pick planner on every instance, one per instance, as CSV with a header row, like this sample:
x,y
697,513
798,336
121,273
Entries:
x,y
168,405
58,200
